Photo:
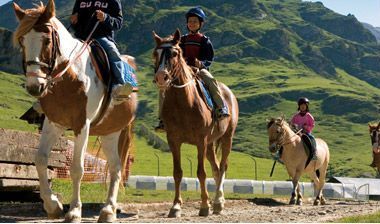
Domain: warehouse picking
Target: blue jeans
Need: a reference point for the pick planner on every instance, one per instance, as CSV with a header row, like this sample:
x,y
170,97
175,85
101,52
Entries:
x,y
116,64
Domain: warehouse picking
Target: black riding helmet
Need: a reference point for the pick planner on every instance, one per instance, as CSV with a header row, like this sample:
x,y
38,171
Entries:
x,y
198,12
303,100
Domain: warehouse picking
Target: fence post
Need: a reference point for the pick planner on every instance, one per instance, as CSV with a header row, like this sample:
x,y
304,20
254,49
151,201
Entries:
x,y
191,166
158,164
254,160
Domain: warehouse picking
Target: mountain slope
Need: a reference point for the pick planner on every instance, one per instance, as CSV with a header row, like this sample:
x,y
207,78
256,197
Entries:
x,y
270,52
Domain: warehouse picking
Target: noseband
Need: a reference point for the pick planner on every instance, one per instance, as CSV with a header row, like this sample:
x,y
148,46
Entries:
x,y
51,63
375,137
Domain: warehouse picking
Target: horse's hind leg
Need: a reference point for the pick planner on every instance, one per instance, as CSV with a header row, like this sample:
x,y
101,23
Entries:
x,y
175,210
226,145
49,136
299,195
211,157
76,172
110,148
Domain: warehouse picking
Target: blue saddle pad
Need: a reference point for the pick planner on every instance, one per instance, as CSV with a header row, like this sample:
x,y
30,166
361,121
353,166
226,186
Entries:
x,y
129,75
206,95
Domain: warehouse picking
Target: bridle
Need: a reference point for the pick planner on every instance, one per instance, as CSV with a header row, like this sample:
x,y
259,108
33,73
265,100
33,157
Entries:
x,y
280,141
51,63
164,62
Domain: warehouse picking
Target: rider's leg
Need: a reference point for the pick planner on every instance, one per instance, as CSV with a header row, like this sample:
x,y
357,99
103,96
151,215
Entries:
x,y
117,67
213,87
312,145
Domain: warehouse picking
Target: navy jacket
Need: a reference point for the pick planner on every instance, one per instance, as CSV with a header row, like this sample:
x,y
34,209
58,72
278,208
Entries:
x,y
87,18
197,46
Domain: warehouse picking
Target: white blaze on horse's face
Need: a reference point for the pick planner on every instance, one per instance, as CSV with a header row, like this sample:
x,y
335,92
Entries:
x,y
161,77
32,43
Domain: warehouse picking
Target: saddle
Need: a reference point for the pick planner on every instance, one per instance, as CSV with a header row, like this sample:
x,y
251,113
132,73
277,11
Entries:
x,y
310,148
100,60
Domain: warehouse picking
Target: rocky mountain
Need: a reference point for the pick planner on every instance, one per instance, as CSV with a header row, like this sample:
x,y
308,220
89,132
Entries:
x,y
374,30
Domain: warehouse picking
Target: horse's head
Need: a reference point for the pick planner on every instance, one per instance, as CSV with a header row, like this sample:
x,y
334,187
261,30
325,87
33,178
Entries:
x,y
276,133
168,60
374,131
38,39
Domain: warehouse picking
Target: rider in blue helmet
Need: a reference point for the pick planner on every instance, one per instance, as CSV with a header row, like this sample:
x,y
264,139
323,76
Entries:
x,y
199,53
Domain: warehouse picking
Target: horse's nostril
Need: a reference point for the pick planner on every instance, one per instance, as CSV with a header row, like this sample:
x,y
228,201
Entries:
x,y
166,77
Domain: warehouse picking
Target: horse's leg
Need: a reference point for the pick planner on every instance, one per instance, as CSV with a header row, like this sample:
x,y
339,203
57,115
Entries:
x,y
317,188
110,149
76,172
201,173
299,195
226,145
211,157
49,136
295,181
322,180
175,148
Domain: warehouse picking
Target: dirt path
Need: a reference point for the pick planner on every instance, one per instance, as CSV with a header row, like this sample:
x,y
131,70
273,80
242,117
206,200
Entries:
x,y
254,210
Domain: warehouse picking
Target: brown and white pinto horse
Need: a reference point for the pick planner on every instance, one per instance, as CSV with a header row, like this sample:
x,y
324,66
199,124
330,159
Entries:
x,y
188,120
374,131
294,157
71,103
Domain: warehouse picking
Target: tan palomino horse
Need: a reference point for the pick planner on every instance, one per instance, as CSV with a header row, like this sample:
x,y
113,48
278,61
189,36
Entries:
x,y
188,120
72,102
374,131
294,157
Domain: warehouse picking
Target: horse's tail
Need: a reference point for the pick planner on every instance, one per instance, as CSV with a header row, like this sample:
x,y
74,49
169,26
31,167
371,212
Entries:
x,y
125,152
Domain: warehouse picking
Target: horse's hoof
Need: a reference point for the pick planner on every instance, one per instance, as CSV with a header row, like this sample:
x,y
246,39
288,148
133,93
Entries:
x,y
316,202
323,201
57,213
174,213
107,215
204,212
217,208
292,201
299,202
72,219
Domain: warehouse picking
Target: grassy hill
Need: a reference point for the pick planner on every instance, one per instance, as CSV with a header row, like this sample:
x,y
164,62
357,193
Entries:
x,y
270,52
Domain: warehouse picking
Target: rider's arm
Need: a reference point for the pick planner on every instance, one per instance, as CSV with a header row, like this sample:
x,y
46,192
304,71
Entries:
x,y
208,53
309,125
114,19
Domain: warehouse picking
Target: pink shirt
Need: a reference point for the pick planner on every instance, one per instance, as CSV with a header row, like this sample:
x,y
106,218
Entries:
x,y
306,122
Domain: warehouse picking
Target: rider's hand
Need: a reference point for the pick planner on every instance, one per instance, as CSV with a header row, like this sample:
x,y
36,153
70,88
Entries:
x,y
198,63
100,15
74,18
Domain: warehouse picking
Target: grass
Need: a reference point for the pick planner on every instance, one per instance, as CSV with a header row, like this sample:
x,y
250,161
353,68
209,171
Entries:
x,y
372,218
127,195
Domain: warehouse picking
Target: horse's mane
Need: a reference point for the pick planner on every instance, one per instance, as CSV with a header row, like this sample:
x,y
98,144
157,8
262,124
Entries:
x,y
28,21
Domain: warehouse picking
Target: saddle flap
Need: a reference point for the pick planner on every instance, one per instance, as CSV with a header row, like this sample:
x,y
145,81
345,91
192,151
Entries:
x,y
101,62
205,94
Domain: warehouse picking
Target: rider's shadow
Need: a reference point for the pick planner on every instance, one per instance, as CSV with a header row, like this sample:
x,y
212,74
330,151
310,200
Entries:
x,y
266,202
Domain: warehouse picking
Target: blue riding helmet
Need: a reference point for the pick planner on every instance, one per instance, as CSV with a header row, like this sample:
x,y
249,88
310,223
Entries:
x,y
198,12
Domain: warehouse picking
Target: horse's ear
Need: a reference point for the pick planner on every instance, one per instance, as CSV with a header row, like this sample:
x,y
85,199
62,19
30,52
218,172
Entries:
x,y
20,13
177,36
49,11
156,38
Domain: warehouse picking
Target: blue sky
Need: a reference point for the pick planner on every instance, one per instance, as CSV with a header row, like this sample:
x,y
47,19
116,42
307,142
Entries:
x,y
364,10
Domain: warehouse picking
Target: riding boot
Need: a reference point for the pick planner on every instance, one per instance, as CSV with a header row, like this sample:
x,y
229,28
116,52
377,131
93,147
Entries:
x,y
212,85
160,127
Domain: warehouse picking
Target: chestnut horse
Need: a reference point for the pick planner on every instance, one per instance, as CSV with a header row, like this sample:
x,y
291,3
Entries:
x,y
374,131
71,102
187,119
294,157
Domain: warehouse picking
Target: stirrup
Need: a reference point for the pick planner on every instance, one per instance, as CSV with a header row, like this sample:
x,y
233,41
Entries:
x,y
160,127
222,113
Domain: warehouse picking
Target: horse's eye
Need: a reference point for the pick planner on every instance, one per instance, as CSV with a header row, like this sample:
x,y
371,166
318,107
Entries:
x,y
174,53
